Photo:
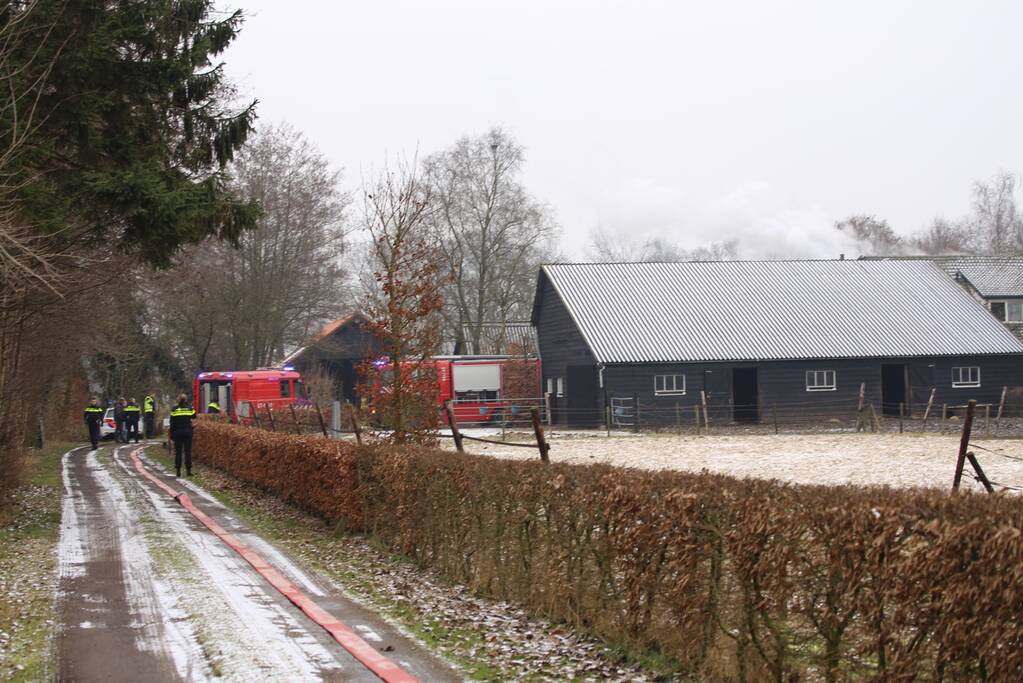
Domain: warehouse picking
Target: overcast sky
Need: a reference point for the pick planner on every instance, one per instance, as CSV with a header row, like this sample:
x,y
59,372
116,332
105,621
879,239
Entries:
x,y
694,121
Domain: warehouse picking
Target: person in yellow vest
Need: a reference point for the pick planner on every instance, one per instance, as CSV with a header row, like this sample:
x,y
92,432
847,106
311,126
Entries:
x,y
131,420
149,413
181,419
93,419
213,407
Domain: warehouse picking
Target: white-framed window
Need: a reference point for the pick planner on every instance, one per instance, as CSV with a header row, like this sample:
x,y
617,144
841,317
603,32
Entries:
x,y
669,384
550,385
1010,311
820,380
968,376
560,386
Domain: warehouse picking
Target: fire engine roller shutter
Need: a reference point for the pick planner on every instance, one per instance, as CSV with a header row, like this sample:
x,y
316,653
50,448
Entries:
x,y
477,377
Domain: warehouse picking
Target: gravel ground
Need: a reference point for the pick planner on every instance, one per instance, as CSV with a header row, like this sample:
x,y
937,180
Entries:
x,y
489,640
864,459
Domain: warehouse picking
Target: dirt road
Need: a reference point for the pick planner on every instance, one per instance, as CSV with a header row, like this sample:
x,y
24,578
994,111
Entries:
x,y
147,593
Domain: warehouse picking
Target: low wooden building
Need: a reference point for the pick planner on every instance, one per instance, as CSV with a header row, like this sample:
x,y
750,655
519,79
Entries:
x,y
334,355
751,338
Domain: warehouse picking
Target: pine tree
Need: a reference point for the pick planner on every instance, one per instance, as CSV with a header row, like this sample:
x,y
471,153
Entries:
x,y
124,122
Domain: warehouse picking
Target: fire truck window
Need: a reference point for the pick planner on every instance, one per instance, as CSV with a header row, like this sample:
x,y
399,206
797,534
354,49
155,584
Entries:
x,y
285,389
299,388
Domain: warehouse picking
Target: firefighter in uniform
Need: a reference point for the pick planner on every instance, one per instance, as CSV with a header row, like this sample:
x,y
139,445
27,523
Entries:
x,y
213,407
149,412
131,420
181,433
93,419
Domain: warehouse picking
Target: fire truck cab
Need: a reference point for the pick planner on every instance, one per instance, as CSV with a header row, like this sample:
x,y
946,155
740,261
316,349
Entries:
x,y
238,392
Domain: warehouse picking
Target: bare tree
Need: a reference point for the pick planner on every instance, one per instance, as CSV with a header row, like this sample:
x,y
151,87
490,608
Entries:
x,y
608,247
874,236
243,307
996,223
943,237
404,311
495,233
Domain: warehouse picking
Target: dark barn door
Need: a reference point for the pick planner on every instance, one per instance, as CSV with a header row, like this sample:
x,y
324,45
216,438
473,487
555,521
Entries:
x,y
582,392
893,388
745,395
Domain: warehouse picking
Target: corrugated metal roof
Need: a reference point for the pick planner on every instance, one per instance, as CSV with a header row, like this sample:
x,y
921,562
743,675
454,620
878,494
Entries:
x,y
991,276
774,310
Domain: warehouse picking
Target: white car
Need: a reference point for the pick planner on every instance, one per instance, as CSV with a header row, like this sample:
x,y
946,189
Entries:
x,y
107,427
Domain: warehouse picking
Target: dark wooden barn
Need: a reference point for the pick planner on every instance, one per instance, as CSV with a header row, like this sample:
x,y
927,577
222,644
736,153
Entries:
x,y
752,338
334,354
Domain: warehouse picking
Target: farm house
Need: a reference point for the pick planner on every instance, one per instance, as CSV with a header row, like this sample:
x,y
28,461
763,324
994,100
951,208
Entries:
x,y
752,338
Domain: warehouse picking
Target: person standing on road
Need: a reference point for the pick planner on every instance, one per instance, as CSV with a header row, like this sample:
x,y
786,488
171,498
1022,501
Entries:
x,y
181,433
149,412
119,430
131,420
93,419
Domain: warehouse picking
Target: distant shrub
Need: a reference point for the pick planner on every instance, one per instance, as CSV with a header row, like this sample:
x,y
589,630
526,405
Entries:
x,y
738,579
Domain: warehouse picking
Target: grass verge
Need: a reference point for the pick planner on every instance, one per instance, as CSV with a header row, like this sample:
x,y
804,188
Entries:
x,y
29,532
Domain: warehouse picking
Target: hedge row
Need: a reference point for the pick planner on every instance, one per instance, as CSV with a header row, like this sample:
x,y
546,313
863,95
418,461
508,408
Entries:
x,y
737,579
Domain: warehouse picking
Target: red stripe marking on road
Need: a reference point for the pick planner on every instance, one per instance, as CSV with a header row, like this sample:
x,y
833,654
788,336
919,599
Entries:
x,y
367,655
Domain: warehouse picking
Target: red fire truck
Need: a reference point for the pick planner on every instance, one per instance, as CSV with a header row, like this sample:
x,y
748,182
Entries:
x,y
238,392
484,389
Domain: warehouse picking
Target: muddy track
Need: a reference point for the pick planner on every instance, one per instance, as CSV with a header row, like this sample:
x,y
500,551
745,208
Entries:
x,y
149,594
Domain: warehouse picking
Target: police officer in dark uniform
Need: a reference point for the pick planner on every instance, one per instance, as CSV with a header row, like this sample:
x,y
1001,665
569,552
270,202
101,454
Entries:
x,y
132,413
119,421
181,433
93,419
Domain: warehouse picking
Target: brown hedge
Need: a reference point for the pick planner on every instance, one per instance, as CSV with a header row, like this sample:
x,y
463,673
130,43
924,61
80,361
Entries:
x,y
737,579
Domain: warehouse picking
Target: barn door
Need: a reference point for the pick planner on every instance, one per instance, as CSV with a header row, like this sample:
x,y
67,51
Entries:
x,y
582,394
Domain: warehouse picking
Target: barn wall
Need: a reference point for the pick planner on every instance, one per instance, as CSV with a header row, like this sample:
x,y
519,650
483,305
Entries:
x,y
782,386
561,345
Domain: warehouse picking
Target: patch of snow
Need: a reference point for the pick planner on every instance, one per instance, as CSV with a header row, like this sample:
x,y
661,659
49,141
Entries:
x,y
165,629
72,544
259,638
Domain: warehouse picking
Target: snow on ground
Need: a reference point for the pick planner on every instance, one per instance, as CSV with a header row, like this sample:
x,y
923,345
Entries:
x,y
901,460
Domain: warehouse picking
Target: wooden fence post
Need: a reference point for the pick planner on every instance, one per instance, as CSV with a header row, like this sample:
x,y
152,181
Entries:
x,y
902,415
607,419
454,426
774,416
696,418
635,412
980,473
927,410
859,407
964,442
875,425
255,416
1001,409
270,414
703,400
541,442
944,416
294,418
323,425
987,419
355,426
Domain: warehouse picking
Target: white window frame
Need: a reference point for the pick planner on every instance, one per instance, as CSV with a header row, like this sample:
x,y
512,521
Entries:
x,y
561,387
812,383
675,390
970,381
550,386
1006,304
